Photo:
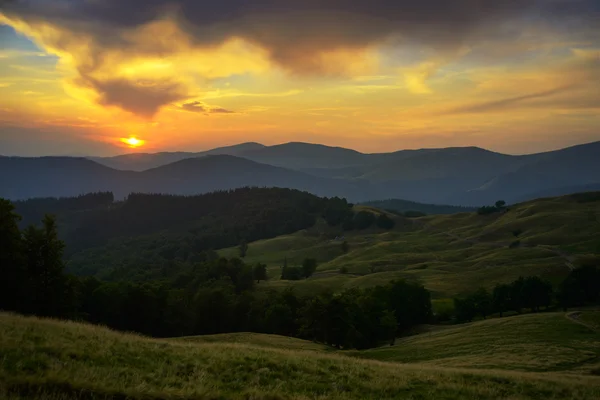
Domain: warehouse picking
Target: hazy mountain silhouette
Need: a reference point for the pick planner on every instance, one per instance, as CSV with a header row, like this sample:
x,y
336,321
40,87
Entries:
x,y
144,161
26,177
22,177
467,176
298,155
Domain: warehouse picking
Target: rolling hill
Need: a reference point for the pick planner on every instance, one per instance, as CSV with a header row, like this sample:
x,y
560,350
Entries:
x,y
533,342
449,254
47,359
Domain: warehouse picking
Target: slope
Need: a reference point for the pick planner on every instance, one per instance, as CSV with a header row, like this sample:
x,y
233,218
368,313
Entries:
x,y
533,342
57,360
449,254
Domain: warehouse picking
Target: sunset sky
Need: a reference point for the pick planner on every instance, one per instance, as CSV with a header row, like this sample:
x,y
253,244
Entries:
x,y
79,76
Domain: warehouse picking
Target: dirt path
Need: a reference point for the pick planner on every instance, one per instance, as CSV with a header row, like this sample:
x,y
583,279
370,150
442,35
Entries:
x,y
574,316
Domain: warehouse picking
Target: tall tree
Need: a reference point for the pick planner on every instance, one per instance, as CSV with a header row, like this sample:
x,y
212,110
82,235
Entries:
x,y
309,266
260,272
49,291
12,270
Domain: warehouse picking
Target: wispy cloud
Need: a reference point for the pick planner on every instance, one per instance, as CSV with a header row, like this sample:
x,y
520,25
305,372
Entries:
x,y
199,107
503,104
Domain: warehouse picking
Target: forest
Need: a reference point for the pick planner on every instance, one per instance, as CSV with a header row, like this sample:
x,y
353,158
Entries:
x,y
205,294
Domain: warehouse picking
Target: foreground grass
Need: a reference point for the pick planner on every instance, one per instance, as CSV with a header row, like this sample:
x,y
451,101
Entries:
x,y
534,342
258,339
42,359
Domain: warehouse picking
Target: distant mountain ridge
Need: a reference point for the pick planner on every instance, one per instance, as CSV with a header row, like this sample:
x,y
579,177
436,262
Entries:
x,y
460,176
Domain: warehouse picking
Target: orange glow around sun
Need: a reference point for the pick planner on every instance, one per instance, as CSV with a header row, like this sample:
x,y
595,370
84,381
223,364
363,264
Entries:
x,y
133,142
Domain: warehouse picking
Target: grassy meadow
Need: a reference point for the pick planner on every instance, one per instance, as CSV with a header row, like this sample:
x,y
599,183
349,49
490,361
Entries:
x,y
532,342
51,360
448,254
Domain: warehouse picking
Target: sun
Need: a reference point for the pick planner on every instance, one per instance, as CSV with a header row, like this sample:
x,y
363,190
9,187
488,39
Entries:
x,y
133,142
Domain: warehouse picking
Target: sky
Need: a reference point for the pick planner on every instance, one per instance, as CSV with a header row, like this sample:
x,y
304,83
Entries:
x,y
77,77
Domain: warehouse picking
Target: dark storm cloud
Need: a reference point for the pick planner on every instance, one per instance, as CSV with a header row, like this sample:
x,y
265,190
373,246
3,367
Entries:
x,y
294,33
136,97
291,30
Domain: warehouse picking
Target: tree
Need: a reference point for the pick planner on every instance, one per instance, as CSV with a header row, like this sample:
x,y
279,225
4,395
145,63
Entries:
x,y
363,219
243,248
45,267
465,309
260,272
309,266
500,204
580,287
385,222
389,326
292,273
345,247
501,298
482,301
536,293
13,279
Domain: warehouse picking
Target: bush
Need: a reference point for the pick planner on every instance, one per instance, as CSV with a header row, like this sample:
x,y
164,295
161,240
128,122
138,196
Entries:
x,y
343,270
363,219
515,244
385,222
292,273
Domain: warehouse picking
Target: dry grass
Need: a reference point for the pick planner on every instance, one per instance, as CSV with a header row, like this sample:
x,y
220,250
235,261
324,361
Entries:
x,y
534,342
49,360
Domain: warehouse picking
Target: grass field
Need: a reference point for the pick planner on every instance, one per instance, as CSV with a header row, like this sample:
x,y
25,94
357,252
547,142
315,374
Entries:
x,y
533,342
449,254
50,360
258,339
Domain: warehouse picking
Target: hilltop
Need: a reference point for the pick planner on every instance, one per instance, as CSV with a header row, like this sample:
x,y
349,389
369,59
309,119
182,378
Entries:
x,y
50,360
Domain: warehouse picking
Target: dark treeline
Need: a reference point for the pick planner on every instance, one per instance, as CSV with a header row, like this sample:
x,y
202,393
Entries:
x,y
214,295
32,211
152,236
581,287
412,207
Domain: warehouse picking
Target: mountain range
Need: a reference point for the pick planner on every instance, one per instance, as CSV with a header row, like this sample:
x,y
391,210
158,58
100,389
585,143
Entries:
x,y
468,176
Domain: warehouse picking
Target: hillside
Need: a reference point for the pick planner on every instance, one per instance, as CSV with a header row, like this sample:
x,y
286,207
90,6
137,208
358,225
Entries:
x,y
402,206
147,231
449,254
56,360
534,342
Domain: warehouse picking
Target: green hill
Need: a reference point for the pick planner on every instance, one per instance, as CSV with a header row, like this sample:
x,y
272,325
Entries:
x,y
533,342
258,339
50,360
449,254
403,206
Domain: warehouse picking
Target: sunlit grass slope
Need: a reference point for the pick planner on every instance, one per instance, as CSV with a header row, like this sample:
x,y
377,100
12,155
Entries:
x,y
532,342
258,339
449,254
43,359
